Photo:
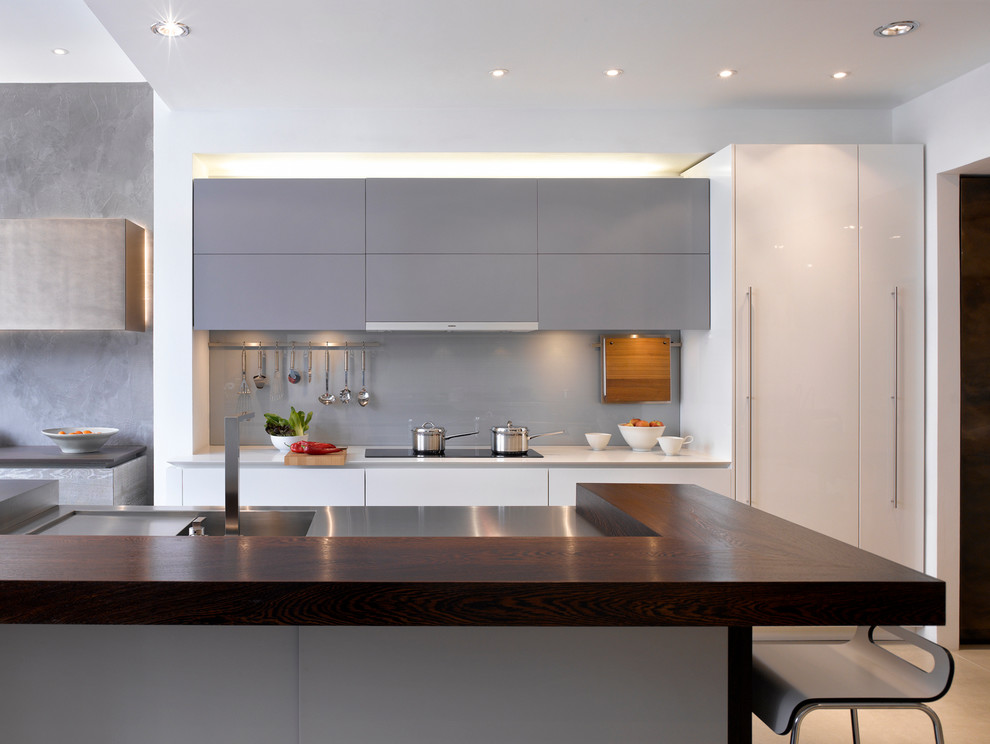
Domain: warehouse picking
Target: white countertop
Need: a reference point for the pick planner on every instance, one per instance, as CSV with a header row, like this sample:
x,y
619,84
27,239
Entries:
x,y
561,456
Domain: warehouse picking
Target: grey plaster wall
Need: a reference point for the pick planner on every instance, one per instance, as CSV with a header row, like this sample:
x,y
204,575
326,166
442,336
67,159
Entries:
x,y
76,150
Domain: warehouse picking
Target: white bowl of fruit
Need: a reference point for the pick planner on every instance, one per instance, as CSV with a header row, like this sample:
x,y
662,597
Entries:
x,y
641,435
77,441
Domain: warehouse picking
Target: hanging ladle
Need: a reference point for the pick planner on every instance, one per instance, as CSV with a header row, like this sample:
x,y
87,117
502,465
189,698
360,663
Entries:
x,y
327,398
261,378
345,394
294,375
363,396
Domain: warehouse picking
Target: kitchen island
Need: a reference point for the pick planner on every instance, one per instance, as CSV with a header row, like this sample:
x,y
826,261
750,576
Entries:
x,y
673,556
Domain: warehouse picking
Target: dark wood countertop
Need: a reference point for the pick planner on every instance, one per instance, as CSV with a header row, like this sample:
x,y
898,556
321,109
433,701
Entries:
x,y
680,556
53,457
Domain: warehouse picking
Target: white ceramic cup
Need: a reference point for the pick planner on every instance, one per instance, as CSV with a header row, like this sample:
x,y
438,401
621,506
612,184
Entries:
x,y
672,445
598,440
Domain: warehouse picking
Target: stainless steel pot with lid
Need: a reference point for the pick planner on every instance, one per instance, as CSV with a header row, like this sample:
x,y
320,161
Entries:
x,y
514,440
429,438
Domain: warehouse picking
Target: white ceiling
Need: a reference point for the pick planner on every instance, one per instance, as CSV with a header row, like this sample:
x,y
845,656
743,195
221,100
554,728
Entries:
x,y
32,28
437,53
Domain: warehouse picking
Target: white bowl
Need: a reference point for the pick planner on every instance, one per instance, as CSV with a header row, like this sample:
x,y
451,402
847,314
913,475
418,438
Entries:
x,y
641,438
598,439
283,443
77,444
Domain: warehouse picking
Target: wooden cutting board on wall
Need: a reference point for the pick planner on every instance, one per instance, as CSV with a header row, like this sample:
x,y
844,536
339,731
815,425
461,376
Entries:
x,y
635,369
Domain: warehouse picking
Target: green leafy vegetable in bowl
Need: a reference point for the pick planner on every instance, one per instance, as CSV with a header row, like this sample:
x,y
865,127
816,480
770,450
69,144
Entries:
x,y
295,426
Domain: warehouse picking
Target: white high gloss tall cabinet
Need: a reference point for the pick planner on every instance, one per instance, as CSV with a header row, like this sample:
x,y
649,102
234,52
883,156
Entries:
x,y
826,329
797,367
892,352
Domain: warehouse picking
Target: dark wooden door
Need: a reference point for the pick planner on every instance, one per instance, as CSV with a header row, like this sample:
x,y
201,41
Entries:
x,y
974,261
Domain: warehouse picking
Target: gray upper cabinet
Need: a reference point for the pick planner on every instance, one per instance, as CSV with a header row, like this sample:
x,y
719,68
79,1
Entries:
x,y
255,239
271,292
624,254
451,251
460,288
283,215
624,292
557,254
451,215
623,215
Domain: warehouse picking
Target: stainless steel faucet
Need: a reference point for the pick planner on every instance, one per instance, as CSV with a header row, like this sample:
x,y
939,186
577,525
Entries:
x,y
231,476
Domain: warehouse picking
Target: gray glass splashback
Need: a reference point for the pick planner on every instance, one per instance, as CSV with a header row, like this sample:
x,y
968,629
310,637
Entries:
x,y
545,381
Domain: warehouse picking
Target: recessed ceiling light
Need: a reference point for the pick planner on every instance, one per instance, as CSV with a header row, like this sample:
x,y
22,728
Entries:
x,y
60,51
726,73
613,72
840,75
170,29
500,72
897,28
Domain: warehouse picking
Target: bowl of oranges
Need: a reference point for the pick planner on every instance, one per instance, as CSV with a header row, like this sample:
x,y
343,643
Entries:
x,y
641,435
74,440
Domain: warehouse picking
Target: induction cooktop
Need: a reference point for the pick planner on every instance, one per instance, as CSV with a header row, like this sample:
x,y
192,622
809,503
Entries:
x,y
482,452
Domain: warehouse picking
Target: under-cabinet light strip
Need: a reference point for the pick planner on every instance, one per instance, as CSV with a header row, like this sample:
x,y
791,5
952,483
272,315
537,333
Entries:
x,y
331,345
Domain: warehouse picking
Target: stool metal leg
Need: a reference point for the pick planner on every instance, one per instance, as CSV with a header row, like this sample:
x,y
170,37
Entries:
x,y
798,720
936,723
854,716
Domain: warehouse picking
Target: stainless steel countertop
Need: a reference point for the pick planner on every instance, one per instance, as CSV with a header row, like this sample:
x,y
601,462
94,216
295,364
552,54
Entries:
x,y
452,521
332,521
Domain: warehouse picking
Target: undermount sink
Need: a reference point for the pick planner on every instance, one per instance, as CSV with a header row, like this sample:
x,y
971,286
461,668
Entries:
x,y
258,523
134,523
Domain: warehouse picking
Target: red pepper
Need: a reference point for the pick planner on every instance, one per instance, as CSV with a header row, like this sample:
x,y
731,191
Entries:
x,y
321,448
314,448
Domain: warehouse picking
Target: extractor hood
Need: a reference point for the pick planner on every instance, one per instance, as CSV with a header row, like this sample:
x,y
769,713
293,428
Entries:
x,y
452,326
72,274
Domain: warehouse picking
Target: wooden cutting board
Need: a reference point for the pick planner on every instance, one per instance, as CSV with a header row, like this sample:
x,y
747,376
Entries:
x,y
635,369
335,458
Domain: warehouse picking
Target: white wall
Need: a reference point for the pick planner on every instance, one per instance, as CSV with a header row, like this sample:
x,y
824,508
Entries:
x,y
180,385
707,369
951,121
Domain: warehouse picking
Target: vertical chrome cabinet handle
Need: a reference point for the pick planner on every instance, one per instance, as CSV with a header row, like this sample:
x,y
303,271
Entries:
x,y
749,397
897,354
604,375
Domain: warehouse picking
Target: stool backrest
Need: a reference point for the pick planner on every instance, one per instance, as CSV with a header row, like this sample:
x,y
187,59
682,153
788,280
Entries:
x,y
916,683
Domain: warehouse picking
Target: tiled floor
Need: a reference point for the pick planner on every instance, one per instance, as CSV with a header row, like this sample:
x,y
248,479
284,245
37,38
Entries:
x,y
965,714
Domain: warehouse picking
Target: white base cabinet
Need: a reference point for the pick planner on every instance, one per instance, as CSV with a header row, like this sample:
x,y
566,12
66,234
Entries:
x,y
456,487
504,483
563,481
276,485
